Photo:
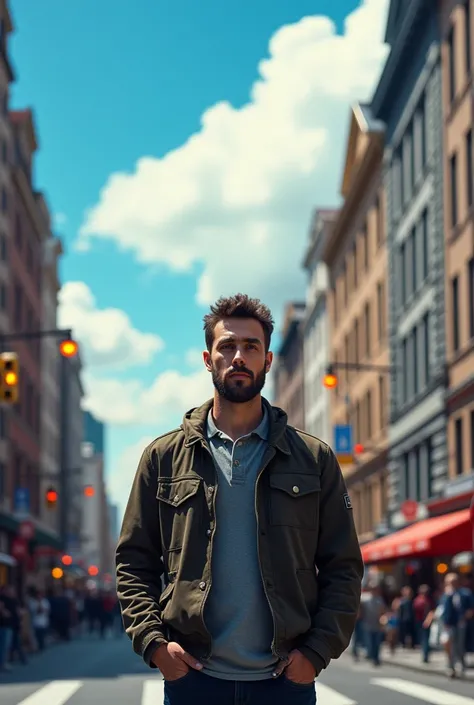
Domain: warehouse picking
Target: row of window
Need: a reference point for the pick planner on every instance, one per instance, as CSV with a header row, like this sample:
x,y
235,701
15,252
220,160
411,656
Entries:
x,y
462,463
415,361
363,340
413,260
466,30
371,412
369,504
459,309
359,260
410,158
416,472
454,181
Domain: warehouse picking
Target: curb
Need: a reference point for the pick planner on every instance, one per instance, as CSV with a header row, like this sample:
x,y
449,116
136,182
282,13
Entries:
x,y
428,671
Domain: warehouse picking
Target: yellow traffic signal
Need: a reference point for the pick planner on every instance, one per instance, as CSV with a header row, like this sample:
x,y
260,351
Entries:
x,y
9,378
57,573
330,379
68,348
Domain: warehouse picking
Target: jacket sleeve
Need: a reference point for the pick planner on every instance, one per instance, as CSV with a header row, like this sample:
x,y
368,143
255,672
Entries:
x,y
340,570
139,564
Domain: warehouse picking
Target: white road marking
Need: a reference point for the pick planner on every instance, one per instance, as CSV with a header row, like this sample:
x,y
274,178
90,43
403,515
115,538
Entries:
x,y
153,692
55,693
425,693
327,696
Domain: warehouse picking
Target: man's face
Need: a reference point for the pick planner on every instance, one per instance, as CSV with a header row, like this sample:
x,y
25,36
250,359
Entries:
x,y
238,362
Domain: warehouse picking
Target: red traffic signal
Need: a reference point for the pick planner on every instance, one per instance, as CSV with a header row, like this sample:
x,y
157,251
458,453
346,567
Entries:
x,y
358,448
89,491
93,570
51,497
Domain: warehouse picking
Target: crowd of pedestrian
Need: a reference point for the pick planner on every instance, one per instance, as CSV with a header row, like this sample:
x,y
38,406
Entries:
x,y
29,623
429,621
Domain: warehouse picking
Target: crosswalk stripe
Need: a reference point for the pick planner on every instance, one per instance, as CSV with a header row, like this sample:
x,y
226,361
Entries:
x,y
328,696
426,693
54,693
153,691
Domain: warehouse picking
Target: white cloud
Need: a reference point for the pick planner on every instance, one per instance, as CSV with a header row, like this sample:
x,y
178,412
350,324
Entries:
x,y
237,196
107,335
132,402
194,357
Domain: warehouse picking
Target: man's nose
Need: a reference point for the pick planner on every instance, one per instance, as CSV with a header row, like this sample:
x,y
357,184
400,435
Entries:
x,y
239,357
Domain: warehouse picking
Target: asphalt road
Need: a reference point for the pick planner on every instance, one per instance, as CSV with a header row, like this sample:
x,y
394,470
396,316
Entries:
x,y
94,672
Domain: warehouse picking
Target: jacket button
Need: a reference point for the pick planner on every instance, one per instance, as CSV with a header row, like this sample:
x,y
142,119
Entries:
x,y
202,585
296,489
210,490
209,532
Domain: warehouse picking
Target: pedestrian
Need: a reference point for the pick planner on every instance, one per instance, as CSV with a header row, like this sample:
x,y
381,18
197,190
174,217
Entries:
x,y
455,612
40,615
373,609
251,523
423,607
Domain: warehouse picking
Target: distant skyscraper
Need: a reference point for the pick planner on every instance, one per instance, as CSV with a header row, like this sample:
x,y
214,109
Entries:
x,y
94,432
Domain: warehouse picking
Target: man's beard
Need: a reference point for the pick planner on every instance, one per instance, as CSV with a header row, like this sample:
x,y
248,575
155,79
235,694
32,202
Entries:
x,y
241,391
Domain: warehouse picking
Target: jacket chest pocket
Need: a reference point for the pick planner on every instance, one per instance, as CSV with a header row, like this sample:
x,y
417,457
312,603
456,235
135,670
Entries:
x,y
180,508
294,500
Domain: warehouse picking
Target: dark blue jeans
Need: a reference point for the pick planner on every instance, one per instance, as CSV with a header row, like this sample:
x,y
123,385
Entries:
x,y
198,688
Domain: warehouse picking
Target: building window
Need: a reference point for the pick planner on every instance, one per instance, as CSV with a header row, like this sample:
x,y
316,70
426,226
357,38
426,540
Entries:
x,y
380,311
455,312
412,258
452,64
378,222
356,342
467,35
357,423
472,439
382,409
354,265
470,275
367,329
403,281
453,167
405,371
425,245
416,380
426,348
459,446
469,169
369,415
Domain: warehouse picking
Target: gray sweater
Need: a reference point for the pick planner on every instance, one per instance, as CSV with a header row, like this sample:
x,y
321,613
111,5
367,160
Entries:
x,y
237,612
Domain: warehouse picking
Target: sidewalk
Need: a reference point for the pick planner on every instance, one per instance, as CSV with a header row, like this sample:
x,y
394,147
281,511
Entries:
x,y
411,659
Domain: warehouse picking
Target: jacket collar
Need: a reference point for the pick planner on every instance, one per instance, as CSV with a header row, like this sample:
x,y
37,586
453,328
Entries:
x,y
195,425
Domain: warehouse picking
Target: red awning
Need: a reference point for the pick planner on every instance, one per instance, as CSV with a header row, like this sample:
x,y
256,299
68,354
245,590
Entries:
x,y
445,535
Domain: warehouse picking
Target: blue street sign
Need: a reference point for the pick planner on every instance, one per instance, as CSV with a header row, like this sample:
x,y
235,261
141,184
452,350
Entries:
x,y
21,500
343,443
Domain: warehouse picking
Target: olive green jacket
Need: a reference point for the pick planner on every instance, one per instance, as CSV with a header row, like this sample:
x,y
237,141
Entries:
x,y
309,553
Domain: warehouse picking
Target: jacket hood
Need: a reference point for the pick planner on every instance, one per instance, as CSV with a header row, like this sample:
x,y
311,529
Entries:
x,y
195,423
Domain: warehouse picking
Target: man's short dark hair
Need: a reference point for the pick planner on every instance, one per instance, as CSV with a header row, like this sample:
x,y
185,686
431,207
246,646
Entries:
x,y
238,306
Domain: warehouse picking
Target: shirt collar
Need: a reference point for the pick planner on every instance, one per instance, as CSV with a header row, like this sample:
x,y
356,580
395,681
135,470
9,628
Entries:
x,y
261,430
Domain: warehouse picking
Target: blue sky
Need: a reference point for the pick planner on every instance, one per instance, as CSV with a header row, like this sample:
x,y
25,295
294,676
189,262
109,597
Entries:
x,y
223,202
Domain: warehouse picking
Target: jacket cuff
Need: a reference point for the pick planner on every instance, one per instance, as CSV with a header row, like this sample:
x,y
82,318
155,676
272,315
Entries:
x,y
316,660
151,644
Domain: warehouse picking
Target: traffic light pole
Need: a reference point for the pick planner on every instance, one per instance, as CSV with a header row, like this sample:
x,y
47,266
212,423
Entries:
x,y
65,333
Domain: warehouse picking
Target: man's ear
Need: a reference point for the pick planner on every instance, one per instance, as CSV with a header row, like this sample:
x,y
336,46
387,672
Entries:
x,y
206,356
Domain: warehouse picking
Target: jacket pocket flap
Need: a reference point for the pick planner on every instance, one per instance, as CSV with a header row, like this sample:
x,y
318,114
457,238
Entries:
x,y
175,492
296,485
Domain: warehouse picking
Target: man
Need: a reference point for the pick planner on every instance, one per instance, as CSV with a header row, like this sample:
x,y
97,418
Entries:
x,y
249,522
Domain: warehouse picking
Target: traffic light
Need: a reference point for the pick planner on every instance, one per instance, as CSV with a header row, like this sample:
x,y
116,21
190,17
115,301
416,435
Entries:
x,y
51,498
57,573
89,491
359,448
68,348
93,570
66,560
330,378
9,378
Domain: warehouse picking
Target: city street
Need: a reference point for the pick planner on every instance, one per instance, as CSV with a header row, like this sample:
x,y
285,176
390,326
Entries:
x,y
91,672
